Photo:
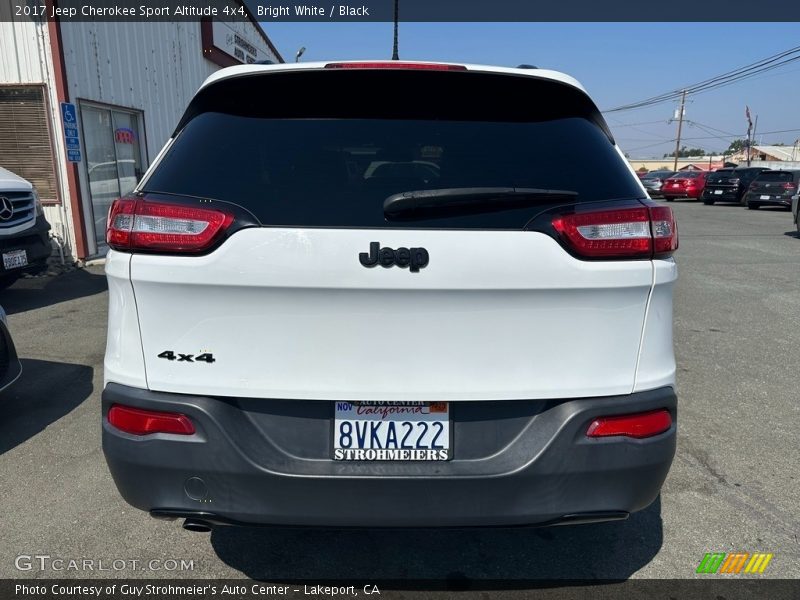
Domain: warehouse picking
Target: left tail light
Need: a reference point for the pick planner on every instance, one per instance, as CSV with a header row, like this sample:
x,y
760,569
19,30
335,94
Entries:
x,y
641,232
135,224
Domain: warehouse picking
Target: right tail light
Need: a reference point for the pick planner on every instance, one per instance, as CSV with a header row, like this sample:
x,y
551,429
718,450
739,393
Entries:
x,y
640,232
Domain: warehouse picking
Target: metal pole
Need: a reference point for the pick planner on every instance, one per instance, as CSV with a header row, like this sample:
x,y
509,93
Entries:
x,y
680,127
395,55
750,152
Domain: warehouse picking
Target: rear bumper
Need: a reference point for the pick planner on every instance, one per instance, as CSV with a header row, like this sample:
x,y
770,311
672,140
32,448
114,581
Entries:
x,y
727,195
266,462
34,240
773,201
682,194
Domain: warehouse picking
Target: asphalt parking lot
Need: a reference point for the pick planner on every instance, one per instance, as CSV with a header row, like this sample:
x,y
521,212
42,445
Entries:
x,y
733,485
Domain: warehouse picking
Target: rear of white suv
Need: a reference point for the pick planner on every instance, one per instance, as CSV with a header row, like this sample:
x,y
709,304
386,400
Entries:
x,y
447,305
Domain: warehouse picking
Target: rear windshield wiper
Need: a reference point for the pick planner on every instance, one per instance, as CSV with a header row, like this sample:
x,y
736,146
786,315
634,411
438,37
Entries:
x,y
421,204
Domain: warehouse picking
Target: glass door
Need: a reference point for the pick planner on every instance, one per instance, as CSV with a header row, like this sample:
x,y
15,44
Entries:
x,y
112,141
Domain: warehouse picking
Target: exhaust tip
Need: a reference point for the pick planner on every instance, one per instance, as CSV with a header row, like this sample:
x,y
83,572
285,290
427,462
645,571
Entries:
x,y
196,526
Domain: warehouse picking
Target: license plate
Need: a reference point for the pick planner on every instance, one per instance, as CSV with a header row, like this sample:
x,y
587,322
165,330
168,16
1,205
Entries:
x,y
718,192
15,259
400,431
763,197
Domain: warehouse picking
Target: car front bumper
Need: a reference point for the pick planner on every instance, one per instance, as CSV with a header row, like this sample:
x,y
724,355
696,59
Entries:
x,y
255,461
34,240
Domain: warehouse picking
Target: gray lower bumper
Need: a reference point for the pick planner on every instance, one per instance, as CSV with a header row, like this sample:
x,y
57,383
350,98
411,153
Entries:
x,y
267,462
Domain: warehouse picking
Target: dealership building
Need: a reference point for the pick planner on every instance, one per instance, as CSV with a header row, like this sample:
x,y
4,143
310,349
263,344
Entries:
x,y
86,106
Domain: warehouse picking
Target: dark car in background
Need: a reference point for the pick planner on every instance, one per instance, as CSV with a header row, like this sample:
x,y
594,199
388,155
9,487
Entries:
x,y
773,188
730,185
654,180
684,184
10,367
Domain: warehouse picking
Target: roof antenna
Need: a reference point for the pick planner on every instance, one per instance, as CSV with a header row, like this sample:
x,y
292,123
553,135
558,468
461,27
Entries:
x,y
395,55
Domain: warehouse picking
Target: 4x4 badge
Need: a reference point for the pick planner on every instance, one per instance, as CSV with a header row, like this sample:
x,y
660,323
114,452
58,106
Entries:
x,y
414,258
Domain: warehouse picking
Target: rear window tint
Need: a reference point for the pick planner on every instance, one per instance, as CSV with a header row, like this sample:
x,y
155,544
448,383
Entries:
x,y
775,176
336,167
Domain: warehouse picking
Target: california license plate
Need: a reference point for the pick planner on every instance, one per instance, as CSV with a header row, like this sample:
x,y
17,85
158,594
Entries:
x,y
763,197
401,431
15,259
718,192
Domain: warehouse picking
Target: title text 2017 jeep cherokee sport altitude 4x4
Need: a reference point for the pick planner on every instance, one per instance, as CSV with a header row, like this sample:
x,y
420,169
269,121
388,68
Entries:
x,y
379,294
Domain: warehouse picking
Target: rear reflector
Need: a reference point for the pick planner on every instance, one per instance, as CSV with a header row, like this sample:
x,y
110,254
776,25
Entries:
x,y
393,64
645,232
144,422
639,425
147,225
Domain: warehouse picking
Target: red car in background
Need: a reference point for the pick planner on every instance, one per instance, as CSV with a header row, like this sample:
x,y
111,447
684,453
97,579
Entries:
x,y
686,184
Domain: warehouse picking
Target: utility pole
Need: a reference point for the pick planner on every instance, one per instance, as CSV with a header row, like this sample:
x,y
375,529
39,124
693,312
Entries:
x,y
395,54
680,127
749,133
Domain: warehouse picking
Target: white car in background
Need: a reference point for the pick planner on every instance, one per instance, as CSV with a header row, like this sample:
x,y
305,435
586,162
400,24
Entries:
x,y
24,238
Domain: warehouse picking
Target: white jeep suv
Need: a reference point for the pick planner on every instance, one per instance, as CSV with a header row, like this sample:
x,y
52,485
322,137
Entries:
x,y
390,294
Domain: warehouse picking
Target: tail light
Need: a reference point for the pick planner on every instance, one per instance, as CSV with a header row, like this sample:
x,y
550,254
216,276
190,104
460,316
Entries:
x,y
137,421
752,186
147,225
640,425
641,232
789,186
394,64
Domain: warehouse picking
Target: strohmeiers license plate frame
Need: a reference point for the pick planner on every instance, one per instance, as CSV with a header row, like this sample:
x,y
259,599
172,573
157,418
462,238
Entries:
x,y
404,454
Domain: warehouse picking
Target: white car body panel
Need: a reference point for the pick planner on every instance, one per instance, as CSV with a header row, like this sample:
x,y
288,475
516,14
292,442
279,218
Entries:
x,y
124,362
656,366
495,315
291,313
244,70
10,182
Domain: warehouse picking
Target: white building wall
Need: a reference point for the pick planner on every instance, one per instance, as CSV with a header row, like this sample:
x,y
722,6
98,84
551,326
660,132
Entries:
x,y
25,58
20,54
153,67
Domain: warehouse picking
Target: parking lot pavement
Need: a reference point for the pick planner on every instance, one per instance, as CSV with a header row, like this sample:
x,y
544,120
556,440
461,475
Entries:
x,y
733,486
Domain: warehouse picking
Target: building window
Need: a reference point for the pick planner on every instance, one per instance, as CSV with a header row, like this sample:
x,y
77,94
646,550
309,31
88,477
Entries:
x,y
112,138
25,143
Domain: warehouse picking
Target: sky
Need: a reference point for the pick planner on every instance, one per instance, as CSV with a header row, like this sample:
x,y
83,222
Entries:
x,y
618,63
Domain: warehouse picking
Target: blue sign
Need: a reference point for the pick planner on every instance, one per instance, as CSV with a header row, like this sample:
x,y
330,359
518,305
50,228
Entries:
x,y
69,117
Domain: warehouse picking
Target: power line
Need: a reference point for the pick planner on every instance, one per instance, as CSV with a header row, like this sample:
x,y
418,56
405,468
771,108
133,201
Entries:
x,y
760,66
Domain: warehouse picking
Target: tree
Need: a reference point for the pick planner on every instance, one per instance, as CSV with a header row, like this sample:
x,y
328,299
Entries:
x,y
684,152
737,146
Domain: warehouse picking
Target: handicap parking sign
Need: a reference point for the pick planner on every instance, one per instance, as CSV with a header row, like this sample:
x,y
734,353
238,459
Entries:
x,y
68,114
69,117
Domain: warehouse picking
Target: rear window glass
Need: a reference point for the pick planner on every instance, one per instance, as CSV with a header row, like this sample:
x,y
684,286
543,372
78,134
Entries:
x,y
775,176
687,175
336,171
